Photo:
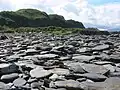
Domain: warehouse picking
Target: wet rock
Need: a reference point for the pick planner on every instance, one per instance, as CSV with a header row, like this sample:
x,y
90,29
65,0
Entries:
x,y
55,89
68,84
31,80
84,50
46,56
83,58
8,68
94,86
112,83
110,67
19,82
54,77
36,85
100,47
31,52
39,73
114,74
13,58
76,67
9,77
91,68
60,71
65,58
3,86
103,63
93,76
43,48
114,58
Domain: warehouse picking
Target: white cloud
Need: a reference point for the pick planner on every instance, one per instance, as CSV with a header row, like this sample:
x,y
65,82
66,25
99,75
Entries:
x,y
107,15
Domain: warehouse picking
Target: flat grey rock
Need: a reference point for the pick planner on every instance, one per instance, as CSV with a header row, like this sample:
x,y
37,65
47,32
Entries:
x,y
39,73
55,89
19,82
76,67
83,58
31,52
93,76
94,86
110,67
60,71
100,47
46,56
13,58
35,85
103,63
68,84
3,86
91,68
9,77
84,50
114,58
112,83
8,68
114,74
54,77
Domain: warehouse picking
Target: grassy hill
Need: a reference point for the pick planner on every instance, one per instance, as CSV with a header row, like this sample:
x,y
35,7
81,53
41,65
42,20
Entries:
x,y
35,18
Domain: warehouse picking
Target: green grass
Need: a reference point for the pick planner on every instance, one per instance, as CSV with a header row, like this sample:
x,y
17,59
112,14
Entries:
x,y
52,30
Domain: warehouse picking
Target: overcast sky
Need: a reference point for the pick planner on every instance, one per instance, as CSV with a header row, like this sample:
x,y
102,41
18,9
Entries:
x,y
93,13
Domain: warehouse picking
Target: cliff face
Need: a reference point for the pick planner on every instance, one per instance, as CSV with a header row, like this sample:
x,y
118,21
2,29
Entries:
x,y
35,18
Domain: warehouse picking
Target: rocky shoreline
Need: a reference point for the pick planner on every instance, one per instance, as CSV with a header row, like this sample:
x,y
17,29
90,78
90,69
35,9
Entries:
x,y
35,61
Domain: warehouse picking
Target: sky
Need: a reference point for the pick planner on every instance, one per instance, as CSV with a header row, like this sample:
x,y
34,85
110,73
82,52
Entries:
x,y
103,14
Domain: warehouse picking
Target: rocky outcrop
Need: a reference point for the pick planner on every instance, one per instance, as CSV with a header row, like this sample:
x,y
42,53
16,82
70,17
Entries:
x,y
36,61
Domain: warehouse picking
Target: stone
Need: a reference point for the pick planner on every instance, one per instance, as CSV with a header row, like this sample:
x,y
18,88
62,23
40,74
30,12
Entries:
x,y
55,89
3,86
76,67
110,67
46,56
68,84
65,58
103,63
43,48
40,73
19,82
83,58
35,85
81,79
114,58
54,77
100,47
59,48
93,86
9,77
112,83
93,76
114,74
31,80
31,52
13,58
8,68
83,50
91,68
60,71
